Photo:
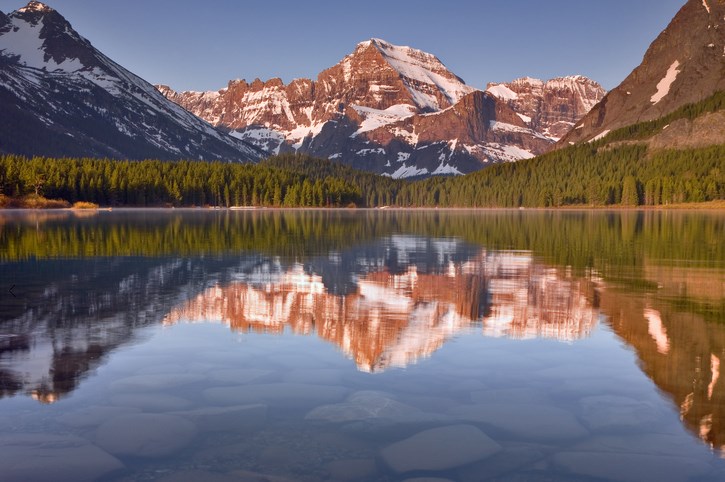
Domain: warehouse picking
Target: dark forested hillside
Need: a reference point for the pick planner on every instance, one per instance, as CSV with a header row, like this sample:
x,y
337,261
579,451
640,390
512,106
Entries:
x,y
590,174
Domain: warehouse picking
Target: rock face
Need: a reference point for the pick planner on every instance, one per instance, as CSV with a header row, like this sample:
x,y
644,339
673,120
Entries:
x,y
685,64
550,107
62,97
389,109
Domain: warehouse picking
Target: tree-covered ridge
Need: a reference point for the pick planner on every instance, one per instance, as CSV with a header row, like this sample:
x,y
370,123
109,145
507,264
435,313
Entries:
x,y
185,183
644,130
584,175
578,175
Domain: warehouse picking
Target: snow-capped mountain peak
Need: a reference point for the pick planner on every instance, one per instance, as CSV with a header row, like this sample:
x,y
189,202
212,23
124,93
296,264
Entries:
x,y
423,74
77,102
34,6
390,109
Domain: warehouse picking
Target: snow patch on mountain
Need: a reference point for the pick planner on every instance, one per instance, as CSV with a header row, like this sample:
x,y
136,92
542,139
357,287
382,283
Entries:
x,y
506,127
43,72
507,153
601,135
267,139
503,92
23,40
424,68
446,170
663,87
375,118
405,171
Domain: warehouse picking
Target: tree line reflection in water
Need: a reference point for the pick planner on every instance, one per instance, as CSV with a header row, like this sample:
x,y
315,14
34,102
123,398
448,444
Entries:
x,y
387,288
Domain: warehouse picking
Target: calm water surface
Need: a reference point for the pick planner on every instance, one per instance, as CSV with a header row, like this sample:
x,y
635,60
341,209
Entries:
x,y
362,346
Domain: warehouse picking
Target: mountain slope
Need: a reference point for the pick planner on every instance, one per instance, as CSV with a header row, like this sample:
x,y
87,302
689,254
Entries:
x,y
62,97
384,108
685,64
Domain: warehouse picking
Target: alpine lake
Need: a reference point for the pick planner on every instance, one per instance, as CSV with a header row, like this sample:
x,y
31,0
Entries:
x,y
362,345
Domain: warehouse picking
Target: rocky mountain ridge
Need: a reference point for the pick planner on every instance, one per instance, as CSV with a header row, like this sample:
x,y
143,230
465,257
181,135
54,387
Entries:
x,y
63,97
685,64
551,107
389,109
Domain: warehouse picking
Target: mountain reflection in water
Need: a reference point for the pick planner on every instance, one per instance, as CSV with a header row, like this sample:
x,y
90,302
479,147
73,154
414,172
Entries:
x,y
392,319
388,290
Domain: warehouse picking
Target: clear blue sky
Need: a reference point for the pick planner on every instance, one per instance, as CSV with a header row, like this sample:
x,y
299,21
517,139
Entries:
x,y
201,45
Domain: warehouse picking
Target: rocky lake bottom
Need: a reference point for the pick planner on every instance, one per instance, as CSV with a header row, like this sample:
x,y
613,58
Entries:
x,y
192,402
333,346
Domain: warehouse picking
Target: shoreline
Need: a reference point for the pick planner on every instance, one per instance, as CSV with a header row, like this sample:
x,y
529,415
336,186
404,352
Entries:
x,y
705,206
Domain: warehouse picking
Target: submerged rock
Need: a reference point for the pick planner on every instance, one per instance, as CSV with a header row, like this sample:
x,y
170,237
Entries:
x,y
237,375
323,376
526,421
607,412
354,469
145,434
43,457
631,467
440,449
151,402
275,393
362,406
93,416
159,381
510,395
226,419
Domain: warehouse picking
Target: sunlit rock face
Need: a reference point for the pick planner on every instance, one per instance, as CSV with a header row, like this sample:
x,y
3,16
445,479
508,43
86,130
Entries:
x,y
393,319
390,109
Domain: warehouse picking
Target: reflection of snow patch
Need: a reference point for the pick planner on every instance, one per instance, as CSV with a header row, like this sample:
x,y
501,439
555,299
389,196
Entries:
x,y
715,370
663,87
657,330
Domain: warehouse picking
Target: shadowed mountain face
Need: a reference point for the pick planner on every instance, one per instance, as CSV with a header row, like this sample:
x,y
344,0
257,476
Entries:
x,y
62,97
684,65
389,109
